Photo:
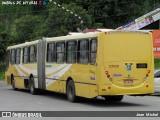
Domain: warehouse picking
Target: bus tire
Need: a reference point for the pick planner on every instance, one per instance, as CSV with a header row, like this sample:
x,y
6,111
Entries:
x,y
32,88
13,83
113,98
71,95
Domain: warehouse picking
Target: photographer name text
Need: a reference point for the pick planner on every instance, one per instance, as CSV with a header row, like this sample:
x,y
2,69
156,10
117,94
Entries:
x,y
147,114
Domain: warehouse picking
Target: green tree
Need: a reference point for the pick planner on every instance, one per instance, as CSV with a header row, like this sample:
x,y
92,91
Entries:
x,y
114,13
60,22
8,13
4,40
27,27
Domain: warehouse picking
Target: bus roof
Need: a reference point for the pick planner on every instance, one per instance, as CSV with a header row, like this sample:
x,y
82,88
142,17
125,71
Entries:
x,y
61,38
23,44
75,36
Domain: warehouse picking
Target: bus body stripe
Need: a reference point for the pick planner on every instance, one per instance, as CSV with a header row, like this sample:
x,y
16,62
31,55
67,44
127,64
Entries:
x,y
57,75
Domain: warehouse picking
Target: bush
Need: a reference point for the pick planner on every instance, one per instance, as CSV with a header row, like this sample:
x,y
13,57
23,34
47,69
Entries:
x,y
2,67
156,63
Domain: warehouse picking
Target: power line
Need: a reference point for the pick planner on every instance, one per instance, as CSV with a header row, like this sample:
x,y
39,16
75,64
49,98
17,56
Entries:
x,y
112,15
67,10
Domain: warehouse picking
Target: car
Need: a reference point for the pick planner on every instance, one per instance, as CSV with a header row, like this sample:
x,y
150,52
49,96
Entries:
x,y
157,80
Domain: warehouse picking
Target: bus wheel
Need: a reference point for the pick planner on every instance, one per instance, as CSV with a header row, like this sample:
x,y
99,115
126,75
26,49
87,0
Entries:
x,y
13,83
114,98
71,96
32,86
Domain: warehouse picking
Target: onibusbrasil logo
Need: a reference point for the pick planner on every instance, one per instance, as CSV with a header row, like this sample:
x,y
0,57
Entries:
x,y
24,2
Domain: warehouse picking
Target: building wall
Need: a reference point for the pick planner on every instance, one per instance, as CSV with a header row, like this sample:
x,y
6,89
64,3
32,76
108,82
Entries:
x,y
156,43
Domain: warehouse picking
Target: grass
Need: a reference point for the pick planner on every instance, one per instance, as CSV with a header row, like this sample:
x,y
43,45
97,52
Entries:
x,y
156,63
2,75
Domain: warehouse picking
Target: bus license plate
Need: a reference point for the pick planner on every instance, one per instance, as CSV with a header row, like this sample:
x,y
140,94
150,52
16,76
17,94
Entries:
x,y
128,81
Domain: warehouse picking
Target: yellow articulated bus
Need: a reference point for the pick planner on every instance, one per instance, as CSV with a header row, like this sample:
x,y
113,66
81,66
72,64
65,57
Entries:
x,y
110,64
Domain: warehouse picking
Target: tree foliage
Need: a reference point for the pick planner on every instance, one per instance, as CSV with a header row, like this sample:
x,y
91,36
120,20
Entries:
x,y
114,13
27,27
4,40
20,23
60,22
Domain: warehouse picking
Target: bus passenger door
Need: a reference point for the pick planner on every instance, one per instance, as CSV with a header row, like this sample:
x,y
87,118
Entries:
x,y
41,64
93,90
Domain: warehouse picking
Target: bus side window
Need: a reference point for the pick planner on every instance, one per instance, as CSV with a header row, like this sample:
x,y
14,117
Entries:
x,y
51,52
32,55
71,51
13,55
18,55
93,51
83,51
25,55
60,52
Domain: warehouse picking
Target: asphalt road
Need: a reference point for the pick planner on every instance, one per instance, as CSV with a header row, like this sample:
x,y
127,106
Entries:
x,y
22,100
